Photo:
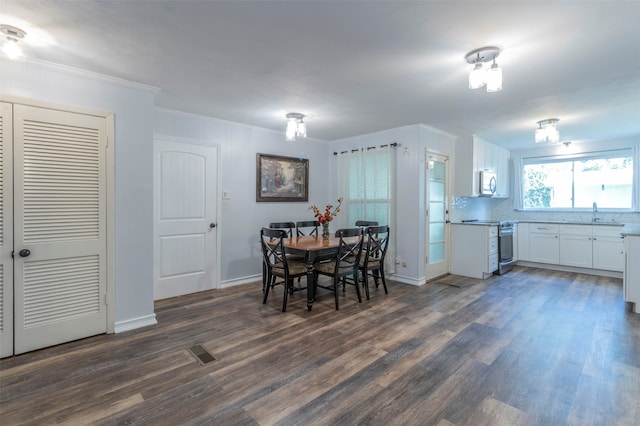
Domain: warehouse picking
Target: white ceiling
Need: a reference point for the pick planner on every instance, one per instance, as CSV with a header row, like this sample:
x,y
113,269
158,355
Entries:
x,y
360,66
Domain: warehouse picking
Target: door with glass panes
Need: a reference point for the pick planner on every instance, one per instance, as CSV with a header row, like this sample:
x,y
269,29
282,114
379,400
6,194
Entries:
x,y
437,215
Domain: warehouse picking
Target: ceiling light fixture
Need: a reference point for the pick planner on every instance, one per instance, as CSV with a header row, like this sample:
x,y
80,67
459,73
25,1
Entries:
x,y
296,128
478,76
547,131
10,47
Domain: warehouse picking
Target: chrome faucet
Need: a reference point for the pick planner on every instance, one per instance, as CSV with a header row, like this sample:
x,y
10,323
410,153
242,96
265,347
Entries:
x,y
595,217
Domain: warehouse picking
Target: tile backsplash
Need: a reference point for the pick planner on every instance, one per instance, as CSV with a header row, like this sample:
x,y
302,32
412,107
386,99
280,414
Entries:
x,y
481,208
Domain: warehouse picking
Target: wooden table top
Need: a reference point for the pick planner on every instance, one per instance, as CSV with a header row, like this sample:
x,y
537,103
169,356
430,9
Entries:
x,y
311,242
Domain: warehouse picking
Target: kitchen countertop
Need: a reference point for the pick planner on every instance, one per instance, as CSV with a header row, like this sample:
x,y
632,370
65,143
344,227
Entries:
x,y
631,230
479,223
559,222
571,222
628,229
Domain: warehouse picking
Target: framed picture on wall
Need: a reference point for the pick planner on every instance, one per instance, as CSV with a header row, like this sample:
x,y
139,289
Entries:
x,y
281,178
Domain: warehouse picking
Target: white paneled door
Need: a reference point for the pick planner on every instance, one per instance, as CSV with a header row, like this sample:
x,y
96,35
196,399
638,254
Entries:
x,y
437,215
185,218
59,227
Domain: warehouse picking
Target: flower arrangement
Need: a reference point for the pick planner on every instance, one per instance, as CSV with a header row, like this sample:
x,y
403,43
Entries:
x,y
328,215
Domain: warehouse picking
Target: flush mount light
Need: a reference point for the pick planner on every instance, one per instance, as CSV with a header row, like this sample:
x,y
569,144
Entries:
x,y
10,47
296,128
547,131
478,76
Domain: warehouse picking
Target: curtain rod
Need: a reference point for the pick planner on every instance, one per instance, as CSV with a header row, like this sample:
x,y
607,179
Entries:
x,y
392,145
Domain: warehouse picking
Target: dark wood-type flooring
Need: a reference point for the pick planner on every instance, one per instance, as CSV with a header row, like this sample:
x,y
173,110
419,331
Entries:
x,y
531,347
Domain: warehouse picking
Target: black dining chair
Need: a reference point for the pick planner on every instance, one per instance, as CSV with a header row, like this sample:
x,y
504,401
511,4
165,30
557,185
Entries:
x,y
290,226
373,256
278,265
308,227
365,223
343,265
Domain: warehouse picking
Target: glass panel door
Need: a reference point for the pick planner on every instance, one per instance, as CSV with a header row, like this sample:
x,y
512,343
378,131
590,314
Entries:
x,y
437,215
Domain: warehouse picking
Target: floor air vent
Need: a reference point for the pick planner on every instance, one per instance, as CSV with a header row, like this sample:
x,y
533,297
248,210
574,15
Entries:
x,y
201,354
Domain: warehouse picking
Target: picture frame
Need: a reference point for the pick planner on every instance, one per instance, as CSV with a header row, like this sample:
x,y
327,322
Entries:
x,y
281,179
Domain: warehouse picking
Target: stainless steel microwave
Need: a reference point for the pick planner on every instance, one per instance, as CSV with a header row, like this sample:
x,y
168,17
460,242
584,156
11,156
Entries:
x,y
487,183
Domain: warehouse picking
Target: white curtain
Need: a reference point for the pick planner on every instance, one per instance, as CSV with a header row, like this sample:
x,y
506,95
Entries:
x,y
517,182
366,181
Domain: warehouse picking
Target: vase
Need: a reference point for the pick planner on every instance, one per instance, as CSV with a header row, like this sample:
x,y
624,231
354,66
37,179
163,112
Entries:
x,y
325,230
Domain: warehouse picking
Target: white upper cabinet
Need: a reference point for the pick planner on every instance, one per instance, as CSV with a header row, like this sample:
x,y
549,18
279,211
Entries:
x,y
473,155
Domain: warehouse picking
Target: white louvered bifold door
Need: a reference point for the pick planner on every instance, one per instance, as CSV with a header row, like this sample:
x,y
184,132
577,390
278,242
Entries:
x,y
59,240
6,230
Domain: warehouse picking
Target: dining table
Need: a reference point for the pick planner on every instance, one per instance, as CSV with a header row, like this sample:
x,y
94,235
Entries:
x,y
311,248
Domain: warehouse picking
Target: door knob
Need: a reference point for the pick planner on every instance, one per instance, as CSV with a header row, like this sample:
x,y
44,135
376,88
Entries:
x,y
212,225
24,253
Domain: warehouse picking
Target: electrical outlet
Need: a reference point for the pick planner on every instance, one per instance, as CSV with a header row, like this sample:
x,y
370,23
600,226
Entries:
x,y
404,264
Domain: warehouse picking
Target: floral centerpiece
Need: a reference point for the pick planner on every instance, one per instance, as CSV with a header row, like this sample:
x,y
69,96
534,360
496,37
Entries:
x,y
325,217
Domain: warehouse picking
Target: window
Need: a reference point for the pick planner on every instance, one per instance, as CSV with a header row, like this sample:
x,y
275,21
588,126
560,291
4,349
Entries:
x,y
365,181
576,182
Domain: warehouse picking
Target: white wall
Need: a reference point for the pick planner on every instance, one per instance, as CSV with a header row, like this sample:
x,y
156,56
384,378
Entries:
x,y
241,216
409,227
133,109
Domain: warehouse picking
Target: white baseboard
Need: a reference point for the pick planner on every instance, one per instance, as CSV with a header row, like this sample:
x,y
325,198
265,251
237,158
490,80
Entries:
x,y
407,280
134,323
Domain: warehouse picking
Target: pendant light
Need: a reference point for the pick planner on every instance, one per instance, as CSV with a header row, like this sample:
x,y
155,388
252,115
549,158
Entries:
x,y
10,46
547,131
296,127
479,77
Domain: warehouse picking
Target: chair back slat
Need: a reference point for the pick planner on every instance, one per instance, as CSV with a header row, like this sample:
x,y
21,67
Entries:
x,y
284,225
301,227
366,223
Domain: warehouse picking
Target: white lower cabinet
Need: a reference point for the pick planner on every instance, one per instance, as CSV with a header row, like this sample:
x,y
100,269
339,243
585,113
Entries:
x,y
474,250
544,246
608,248
575,246
575,250
583,246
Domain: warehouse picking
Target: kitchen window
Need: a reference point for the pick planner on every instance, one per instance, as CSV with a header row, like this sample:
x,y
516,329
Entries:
x,y
577,181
